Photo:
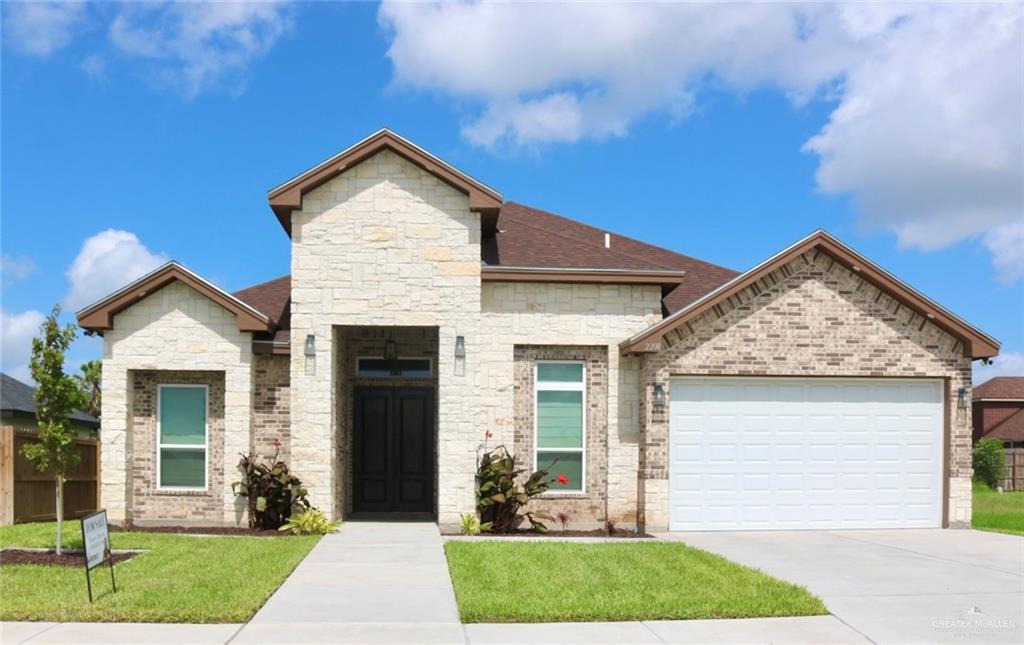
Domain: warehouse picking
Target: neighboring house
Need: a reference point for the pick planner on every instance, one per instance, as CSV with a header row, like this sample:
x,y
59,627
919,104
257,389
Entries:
x,y
999,411
815,390
25,493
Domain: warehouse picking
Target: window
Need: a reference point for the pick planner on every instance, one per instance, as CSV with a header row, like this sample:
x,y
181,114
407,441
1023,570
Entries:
x,y
384,368
182,436
561,421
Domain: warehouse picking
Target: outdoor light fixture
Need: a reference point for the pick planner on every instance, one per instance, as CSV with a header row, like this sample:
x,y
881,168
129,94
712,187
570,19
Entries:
x,y
659,396
460,356
390,350
310,352
964,398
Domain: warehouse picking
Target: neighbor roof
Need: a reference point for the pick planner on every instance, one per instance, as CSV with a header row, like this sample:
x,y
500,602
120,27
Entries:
x,y
1001,387
1009,429
288,196
976,343
16,399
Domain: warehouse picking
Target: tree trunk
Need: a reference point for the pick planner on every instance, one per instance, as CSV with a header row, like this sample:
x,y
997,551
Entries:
x,y
60,515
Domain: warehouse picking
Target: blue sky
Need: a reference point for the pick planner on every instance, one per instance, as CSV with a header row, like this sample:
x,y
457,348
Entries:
x,y
131,135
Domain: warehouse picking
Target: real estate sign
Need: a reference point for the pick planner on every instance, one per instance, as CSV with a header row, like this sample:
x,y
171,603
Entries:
x,y
96,537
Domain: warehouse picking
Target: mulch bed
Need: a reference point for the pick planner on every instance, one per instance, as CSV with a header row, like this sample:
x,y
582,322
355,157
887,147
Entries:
x,y
595,533
50,558
201,530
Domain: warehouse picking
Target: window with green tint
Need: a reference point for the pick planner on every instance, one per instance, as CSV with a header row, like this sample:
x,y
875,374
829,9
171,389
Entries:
x,y
182,436
561,423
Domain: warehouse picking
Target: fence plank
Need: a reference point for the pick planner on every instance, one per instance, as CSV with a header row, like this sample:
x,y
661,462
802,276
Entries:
x,y
6,475
35,493
1014,478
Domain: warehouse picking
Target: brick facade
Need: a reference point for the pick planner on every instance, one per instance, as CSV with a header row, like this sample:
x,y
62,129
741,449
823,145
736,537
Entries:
x,y
811,317
271,410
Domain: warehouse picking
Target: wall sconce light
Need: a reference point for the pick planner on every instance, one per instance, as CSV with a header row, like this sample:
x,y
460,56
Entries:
x,y
310,353
659,396
964,398
460,356
390,350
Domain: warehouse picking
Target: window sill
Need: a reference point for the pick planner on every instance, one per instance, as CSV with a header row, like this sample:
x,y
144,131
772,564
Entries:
x,y
564,495
182,492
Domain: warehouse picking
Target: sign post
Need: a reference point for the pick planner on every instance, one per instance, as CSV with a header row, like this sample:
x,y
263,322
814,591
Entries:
x,y
96,537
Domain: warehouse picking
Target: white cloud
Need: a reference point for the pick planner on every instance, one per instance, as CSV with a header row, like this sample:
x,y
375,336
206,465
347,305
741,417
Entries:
x,y
1007,246
199,45
927,134
106,262
13,269
17,331
1006,364
41,28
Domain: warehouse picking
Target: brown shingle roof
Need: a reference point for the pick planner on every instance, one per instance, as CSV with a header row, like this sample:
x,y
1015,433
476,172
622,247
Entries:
x,y
273,298
1001,387
1010,429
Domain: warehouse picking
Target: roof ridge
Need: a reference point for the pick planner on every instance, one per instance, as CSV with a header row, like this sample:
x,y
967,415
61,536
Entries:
x,y
1004,421
262,284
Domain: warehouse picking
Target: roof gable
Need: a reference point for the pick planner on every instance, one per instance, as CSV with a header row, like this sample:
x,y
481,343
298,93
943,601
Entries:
x,y
288,196
1006,388
18,399
100,316
976,343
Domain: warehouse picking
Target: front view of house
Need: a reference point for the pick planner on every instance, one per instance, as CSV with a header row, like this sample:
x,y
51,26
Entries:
x,y
426,319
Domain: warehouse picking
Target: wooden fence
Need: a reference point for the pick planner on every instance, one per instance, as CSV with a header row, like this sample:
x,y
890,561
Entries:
x,y
1014,479
27,495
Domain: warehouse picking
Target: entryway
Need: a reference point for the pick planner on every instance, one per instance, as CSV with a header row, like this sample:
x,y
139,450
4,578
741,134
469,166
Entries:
x,y
394,449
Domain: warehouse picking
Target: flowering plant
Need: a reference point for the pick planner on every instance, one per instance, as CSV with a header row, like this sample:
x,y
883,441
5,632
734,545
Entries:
x,y
500,497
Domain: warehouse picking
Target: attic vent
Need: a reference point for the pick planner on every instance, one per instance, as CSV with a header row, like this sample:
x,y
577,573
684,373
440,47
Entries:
x,y
607,241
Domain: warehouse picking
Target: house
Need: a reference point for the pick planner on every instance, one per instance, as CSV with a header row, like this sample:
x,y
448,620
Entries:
x,y
424,312
27,495
999,410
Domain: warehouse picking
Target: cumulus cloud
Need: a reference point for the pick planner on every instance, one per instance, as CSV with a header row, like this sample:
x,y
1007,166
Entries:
x,y
17,331
41,28
1006,364
13,269
926,134
106,262
199,45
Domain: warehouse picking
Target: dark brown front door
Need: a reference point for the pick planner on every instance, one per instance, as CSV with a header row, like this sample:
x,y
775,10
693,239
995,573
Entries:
x,y
394,449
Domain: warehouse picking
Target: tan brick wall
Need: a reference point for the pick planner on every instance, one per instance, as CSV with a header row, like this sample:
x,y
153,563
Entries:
x,y
271,412
173,329
811,317
148,503
569,316
384,244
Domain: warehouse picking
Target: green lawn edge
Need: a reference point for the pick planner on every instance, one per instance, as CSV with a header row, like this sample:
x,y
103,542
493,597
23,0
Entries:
x,y
998,512
557,581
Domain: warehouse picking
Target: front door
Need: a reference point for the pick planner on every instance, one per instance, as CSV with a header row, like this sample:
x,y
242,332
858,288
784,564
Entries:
x,y
394,449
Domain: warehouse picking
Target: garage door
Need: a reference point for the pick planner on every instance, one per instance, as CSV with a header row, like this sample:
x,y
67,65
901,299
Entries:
x,y
781,453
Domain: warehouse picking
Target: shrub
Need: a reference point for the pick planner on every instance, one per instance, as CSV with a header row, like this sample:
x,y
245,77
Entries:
x,y
989,462
311,521
564,519
272,492
611,525
471,525
500,498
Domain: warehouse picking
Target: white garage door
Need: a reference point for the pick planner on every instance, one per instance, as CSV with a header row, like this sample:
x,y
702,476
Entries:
x,y
790,453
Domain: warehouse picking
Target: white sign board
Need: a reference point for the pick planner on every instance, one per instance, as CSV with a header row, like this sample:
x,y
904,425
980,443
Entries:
x,y
97,541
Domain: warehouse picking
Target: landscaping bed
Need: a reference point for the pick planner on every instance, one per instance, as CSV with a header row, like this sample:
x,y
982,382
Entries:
x,y
182,579
200,530
642,580
9,557
595,533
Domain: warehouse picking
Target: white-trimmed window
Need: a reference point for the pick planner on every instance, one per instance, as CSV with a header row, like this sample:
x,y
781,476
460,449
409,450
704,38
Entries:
x,y
560,422
182,437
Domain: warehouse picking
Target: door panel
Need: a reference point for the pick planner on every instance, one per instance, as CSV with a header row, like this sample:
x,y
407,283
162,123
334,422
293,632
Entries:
x,y
394,449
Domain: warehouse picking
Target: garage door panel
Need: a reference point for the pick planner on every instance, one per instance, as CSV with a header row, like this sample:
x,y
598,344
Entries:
x,y
763,453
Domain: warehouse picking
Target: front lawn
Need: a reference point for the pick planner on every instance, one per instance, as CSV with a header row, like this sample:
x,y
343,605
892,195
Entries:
x,y
1002,512
554,581
180,578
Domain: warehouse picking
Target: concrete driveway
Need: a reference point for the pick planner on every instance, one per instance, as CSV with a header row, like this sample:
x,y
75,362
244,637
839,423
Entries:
x,y
893,586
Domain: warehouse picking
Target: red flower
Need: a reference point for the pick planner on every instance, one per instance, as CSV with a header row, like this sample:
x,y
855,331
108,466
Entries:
x,y
562,479
489,434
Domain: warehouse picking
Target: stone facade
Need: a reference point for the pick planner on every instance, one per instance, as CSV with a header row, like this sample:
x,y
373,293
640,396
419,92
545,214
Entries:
x,y
570,316
271,412
385,244
590,507
148,504
174,329
811,317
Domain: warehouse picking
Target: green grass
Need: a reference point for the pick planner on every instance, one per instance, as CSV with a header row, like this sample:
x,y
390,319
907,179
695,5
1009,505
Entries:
x,y
549,581
1002,512
180,579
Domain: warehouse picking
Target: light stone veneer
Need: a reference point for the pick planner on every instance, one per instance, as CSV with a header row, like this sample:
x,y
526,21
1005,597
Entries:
x,y
385,243
811,317
176,328
569,315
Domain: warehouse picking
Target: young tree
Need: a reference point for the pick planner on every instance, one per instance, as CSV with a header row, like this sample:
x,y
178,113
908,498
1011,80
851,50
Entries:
x,y
57,396
89,385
